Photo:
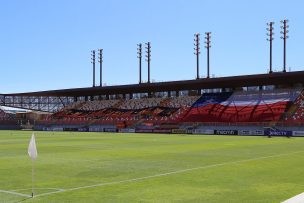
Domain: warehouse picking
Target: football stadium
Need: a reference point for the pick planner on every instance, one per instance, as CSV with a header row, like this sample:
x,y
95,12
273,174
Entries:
x,y
236,138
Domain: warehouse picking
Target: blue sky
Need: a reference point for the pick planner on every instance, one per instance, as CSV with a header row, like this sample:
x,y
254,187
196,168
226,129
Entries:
x,y
46,44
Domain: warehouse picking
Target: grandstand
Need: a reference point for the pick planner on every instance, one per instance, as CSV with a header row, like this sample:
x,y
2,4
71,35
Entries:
x,y
264,100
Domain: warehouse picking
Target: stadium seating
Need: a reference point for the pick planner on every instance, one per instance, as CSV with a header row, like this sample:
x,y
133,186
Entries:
x,y
130,111
140,103
97,105
229,107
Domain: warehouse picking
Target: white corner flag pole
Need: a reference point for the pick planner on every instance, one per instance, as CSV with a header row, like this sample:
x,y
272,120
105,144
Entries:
x,y
33,178
32,152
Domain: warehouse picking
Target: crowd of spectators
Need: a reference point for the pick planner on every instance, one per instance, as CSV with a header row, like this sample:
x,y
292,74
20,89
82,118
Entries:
x,y
98,105
141,103
133,104
161,109
178,102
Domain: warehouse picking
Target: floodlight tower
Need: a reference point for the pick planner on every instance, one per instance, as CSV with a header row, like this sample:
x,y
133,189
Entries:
x,y
284,36
197,52
270,38
100,60
93,62
148,58
208,46
139,56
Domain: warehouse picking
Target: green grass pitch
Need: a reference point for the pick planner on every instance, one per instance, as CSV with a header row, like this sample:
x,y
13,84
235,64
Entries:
x,y
107,167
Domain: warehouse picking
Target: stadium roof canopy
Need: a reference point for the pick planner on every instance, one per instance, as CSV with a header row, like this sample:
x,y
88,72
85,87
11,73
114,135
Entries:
x,y
278,78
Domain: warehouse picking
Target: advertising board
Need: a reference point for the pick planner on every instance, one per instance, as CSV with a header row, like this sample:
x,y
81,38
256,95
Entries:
x,y
203,132
226,132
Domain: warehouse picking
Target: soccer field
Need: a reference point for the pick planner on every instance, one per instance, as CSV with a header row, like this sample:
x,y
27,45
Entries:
x,y
107,167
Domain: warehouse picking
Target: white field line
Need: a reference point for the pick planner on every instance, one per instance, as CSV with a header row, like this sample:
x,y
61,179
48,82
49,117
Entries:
x,y
37,188
165,174
296,199
15,193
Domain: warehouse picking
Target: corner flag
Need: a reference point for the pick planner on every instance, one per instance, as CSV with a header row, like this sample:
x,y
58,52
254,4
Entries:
x,y
32,150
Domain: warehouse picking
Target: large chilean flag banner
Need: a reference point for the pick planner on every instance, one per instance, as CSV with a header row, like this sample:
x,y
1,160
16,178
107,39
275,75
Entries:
x,y
226,107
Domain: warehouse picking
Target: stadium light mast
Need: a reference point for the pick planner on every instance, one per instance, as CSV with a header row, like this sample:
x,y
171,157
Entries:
x,y
208,46
270,38
148,58
100,60
284,36
139,56
93,62
197,52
